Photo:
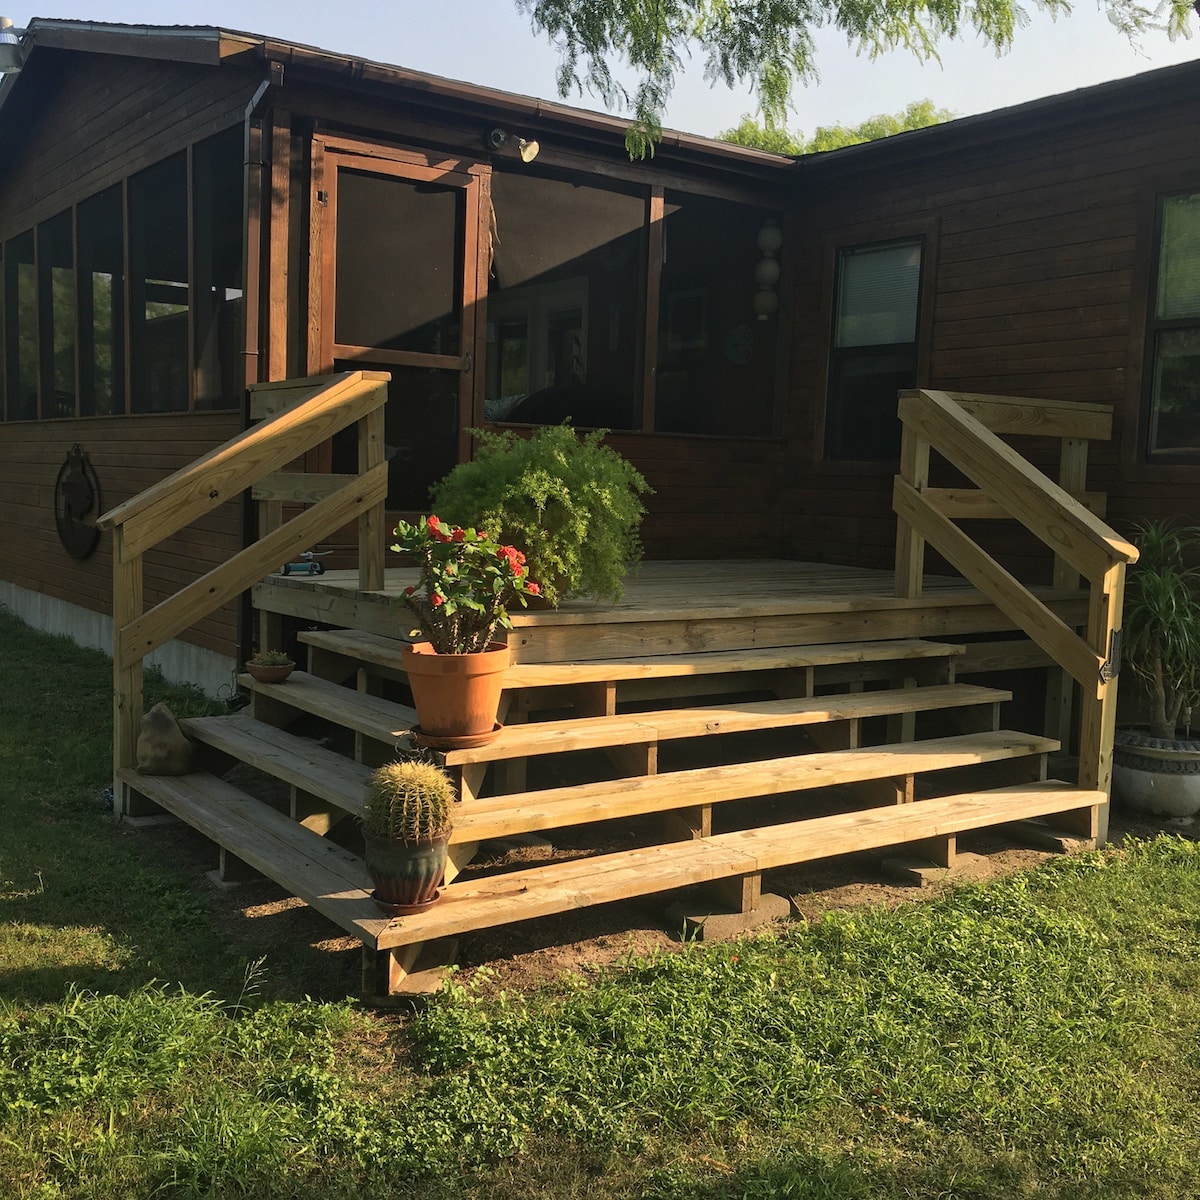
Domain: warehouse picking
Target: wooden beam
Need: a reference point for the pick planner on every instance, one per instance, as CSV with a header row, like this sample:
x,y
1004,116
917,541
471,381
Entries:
x,y
299,487
278,234
127,671
965,504
910,546
1043,418
654,261
372,524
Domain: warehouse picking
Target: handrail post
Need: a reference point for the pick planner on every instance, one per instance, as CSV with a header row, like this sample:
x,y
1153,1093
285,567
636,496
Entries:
x,y
910,545
371,523
1060,687
127,680
1098,716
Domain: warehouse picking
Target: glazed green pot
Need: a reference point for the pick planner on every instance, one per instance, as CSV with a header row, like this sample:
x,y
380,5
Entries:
x,y
406,877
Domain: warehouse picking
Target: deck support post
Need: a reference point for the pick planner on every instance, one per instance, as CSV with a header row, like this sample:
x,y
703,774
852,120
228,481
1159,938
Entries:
x,y
741,893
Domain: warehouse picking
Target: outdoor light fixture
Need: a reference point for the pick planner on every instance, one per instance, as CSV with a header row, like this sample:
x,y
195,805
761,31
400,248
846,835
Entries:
x,y
10,47
497,139
766,273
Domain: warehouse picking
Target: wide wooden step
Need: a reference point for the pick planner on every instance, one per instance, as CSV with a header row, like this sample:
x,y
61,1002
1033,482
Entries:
x,y
380,719
386,652
321,873
557,808
585,733
561,887
298,761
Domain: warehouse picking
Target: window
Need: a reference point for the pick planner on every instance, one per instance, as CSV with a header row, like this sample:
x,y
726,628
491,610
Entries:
x,y
56,300
874,353
716,357
1174,401
101,243
564,303
218,309
66,304
158,310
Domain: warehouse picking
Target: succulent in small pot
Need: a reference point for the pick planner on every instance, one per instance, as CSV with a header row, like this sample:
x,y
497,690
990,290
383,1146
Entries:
x,y
270,666
406,821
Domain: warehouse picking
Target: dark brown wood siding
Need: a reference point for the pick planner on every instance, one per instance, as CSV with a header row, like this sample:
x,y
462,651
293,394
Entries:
x,y
87,121
1041,235
129,454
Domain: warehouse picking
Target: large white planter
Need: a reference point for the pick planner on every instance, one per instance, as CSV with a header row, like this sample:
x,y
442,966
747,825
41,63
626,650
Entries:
x,y
1157,775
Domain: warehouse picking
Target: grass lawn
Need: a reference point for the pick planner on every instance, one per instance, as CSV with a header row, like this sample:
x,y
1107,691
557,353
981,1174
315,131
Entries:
x,y
1033,1037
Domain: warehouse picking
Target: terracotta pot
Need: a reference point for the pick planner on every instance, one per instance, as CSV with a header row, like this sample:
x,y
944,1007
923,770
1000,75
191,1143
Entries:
x,y
406,877
456,695
276,673
1157,775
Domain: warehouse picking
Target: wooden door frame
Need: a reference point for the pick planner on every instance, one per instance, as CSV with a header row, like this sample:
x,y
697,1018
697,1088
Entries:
x,y
474,180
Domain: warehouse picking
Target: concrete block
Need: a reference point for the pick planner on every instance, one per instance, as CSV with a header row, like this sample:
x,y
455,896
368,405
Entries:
x,y
703,925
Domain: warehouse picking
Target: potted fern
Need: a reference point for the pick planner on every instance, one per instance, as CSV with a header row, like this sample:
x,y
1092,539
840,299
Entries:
x,y
1158,769
406,821
570,503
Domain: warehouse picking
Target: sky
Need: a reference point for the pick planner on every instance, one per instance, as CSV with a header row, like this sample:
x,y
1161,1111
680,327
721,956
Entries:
x,y
488,42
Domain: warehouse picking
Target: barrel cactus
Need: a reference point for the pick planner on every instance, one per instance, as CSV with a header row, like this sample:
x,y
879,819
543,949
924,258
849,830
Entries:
x,y
409,801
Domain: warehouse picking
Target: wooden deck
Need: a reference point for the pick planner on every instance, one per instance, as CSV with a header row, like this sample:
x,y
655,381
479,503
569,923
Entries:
x,y
686,607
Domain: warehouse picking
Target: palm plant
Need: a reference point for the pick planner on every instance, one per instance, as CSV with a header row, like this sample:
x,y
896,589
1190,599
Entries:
x,y
1162,622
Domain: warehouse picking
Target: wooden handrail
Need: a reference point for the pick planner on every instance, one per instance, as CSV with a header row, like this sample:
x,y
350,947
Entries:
x,y
1037,417
1045,509
962,427
299,415
167,506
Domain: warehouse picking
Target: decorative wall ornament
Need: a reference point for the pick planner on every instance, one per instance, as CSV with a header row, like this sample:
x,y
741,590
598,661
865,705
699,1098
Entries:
x,y
766,273
77,504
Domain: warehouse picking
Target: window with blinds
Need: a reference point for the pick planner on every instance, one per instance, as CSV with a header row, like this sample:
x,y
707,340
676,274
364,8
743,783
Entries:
x,y
874,352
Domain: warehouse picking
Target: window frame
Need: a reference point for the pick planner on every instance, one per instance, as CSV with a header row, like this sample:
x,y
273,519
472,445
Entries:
x,y
1155,326
922,234
123,403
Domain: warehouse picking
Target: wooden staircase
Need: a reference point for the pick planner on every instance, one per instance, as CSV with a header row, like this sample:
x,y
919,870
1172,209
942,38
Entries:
x,y
848,694
835,681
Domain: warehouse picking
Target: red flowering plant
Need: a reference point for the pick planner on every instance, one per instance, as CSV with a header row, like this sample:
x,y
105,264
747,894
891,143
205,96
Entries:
x,y
468,582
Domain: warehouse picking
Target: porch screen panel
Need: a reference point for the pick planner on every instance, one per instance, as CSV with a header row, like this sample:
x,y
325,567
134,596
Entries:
x,y
21,329
56,305
218,305
716,357
564,302
399,264
1174,426
874,352
159,303
100,237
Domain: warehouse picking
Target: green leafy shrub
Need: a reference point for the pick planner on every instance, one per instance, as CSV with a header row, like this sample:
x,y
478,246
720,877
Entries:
x,y
572,504
1162,621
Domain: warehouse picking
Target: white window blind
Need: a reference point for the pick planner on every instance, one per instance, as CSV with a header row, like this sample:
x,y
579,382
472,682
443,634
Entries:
x,y
1179,259
878,290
